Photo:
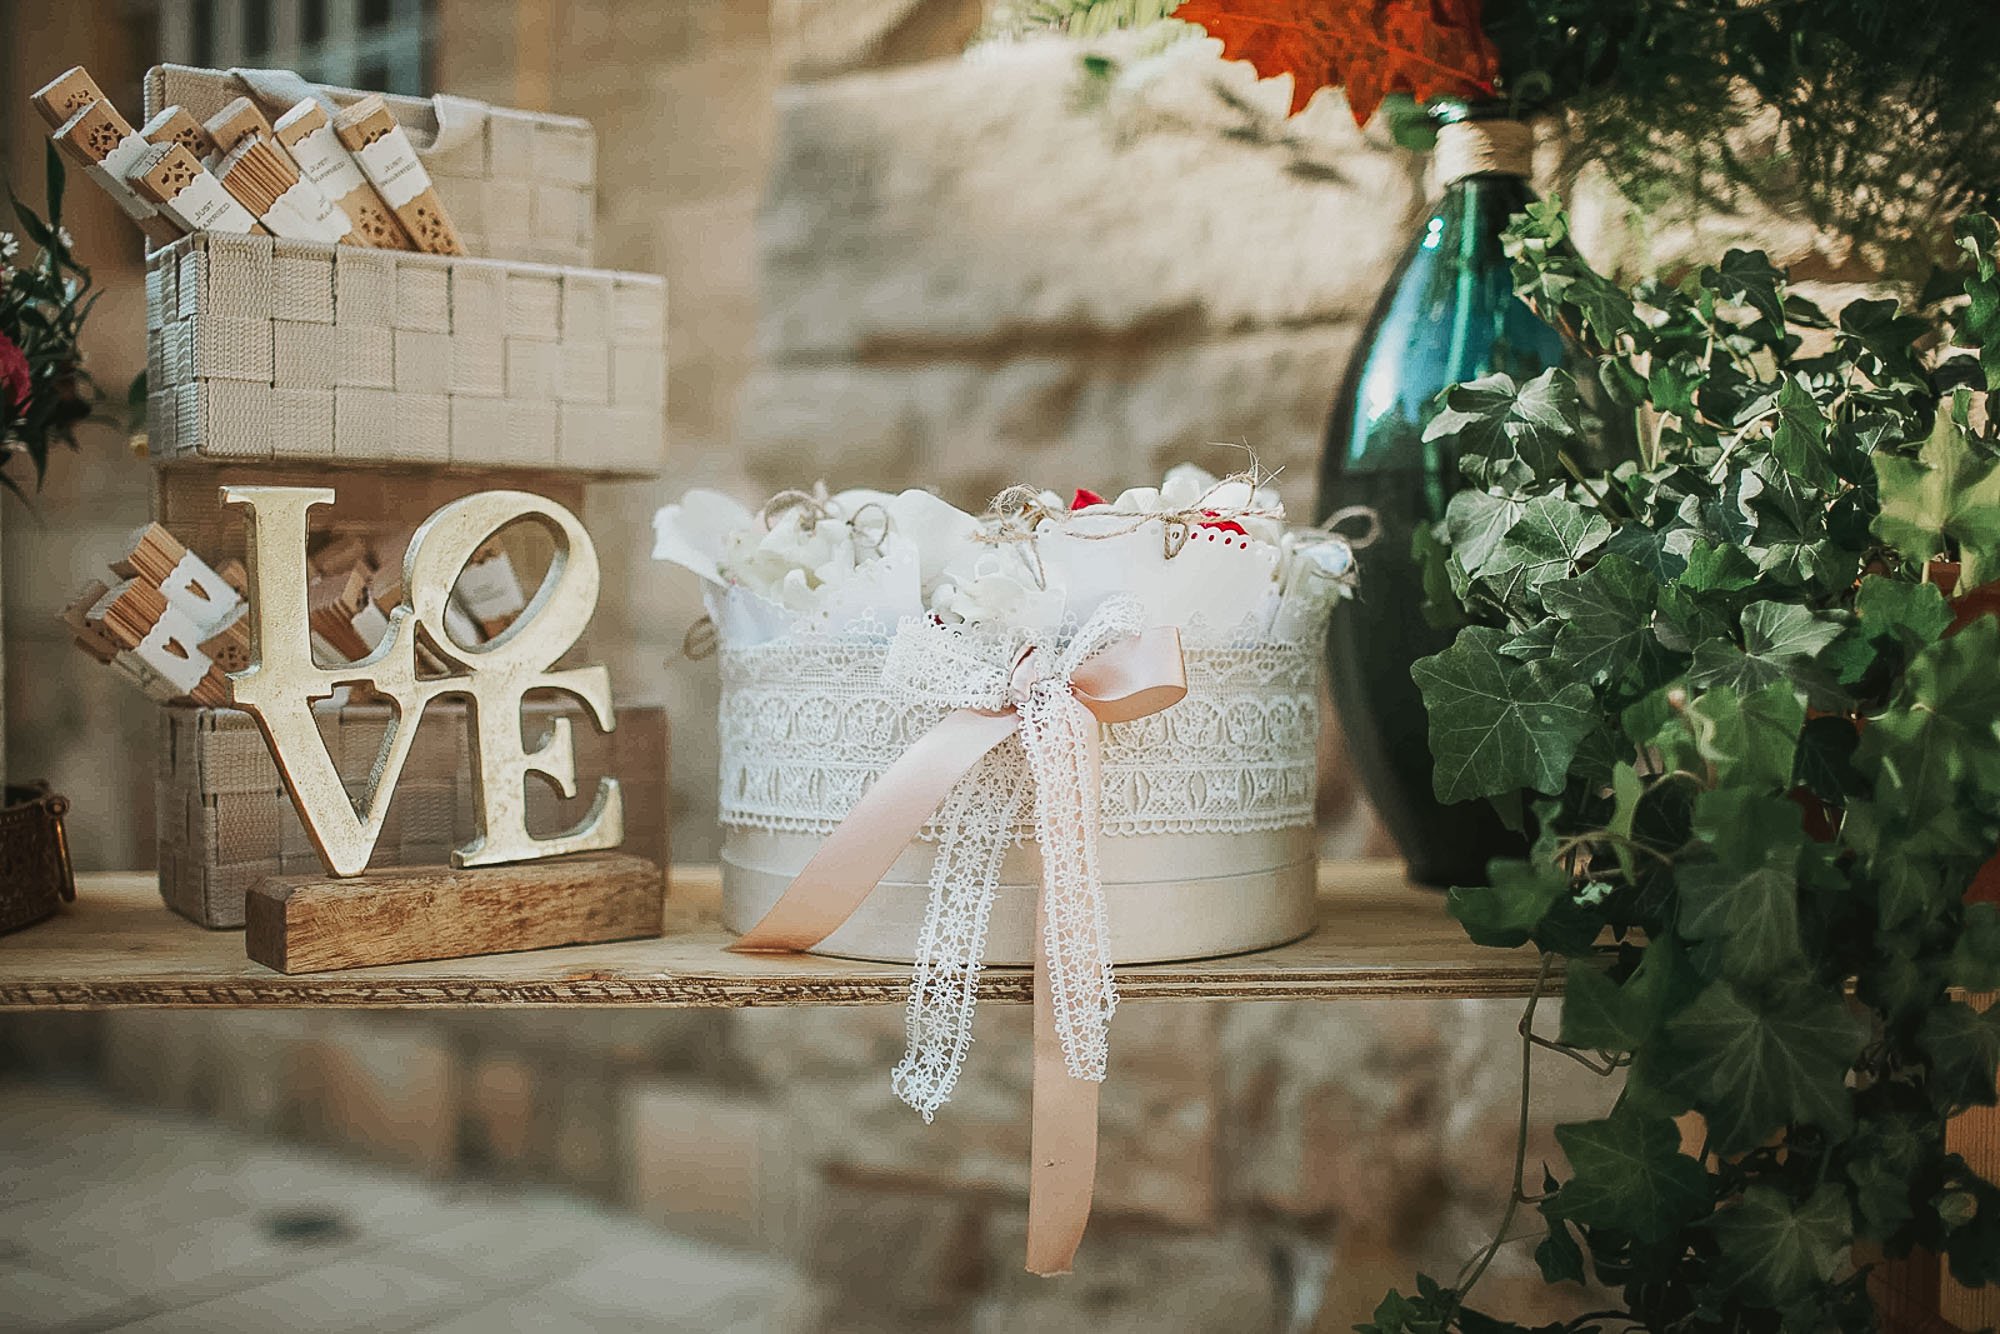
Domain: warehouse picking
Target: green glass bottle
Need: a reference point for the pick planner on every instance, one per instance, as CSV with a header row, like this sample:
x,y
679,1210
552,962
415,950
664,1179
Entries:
x,y
1449,314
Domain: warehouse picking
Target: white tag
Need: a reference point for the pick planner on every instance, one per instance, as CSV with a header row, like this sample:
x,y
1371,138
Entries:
x,y
144,677
114,185
392,165
461,628
303,213
204,206
371,625
324,653
324,161
490,591
169,649
197,592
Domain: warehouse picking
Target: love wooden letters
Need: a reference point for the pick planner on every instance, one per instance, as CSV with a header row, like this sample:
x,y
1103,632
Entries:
x,y
283,679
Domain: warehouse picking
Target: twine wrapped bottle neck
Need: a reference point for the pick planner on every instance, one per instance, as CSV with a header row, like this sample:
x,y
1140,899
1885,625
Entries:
x,y
1483,147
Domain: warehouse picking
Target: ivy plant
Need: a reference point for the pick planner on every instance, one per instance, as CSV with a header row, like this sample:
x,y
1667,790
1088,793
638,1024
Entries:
x,y
1743,693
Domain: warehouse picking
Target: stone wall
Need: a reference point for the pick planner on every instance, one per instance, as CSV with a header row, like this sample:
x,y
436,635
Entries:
x,y
1256,1158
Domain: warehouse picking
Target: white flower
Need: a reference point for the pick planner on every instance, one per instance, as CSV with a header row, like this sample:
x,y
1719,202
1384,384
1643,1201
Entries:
x,y
694,533
10,245
798,555
943,533
995,585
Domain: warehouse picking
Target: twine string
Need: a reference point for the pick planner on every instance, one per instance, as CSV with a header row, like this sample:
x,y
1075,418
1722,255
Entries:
x,y
1357,542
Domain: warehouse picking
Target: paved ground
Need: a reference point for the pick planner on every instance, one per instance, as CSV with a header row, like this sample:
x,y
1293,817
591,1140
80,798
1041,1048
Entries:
x,y
113,1219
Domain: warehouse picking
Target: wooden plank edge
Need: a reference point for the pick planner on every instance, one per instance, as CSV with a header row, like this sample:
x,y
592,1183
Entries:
x,y
280,991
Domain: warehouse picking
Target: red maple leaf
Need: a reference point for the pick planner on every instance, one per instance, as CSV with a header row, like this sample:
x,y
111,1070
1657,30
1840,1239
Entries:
x,y
1426,48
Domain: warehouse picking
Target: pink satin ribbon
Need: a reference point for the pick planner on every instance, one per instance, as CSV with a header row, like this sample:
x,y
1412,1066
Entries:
x,y
1127,679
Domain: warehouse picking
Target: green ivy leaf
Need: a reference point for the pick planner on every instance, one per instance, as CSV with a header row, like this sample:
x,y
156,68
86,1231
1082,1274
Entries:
x,y
1975,959
1602,1015
1963,1045
1475,521
1657,551
1911,614
1630,1176
1825,764
1497,725
1788,528
1880,329
1749,740
1942,727
1780,641
1757,1063
1507,911
1546,543
1981,322
1947,491
1713,568
1558,1255
1886,1156
1509,434
1800,439
1673,383
1748,276
1745,904
1773,1250
1606,616
1433,561
1783,632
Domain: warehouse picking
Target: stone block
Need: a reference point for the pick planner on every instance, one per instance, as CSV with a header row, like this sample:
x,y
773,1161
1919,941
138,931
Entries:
x,y
1130,415
382,1089
499,1111
813,39
712,1164
898,1254
1126,1282
1006,215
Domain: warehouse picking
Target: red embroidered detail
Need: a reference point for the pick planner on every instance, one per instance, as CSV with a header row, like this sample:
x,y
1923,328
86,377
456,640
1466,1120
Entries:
x,y
1226,525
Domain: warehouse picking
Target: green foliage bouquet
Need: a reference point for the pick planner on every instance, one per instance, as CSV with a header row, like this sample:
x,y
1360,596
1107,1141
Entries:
x,y
45,393
1757,742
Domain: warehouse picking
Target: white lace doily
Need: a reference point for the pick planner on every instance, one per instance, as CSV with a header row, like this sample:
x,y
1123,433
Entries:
x,y
808,724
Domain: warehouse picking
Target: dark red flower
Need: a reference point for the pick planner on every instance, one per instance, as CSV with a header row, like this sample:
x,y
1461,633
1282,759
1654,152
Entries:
x,y
15,379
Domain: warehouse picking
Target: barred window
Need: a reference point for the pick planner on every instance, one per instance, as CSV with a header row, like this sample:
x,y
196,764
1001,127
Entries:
x,y
379,45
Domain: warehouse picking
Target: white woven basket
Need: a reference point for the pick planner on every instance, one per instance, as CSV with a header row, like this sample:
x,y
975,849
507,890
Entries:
x,y
273,349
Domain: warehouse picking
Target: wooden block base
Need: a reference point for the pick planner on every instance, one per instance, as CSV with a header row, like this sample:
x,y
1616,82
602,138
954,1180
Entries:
x,y
316,924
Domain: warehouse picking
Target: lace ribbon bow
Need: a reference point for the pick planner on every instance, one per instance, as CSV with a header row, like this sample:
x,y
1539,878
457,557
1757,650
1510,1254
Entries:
x,y
958,778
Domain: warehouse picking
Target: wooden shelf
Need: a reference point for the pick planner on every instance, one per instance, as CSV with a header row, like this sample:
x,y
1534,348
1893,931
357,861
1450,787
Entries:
x,y
117,946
